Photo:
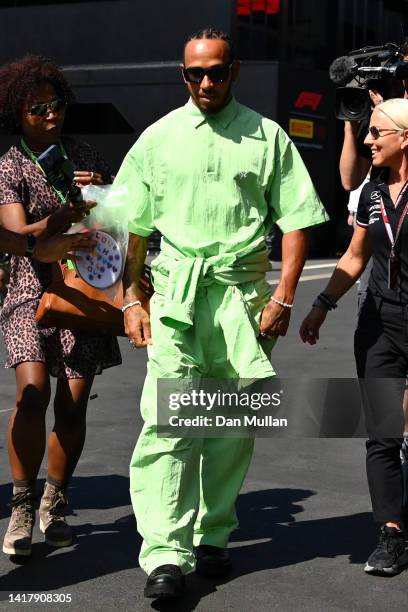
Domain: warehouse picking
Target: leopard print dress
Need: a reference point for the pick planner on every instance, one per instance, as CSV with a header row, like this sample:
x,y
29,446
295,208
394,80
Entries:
x,y
67,354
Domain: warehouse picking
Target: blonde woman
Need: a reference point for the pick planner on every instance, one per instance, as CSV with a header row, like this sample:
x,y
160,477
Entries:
x,y
381,337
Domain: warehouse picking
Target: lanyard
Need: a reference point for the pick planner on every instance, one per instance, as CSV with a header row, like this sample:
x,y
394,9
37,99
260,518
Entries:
x,y
401,219
33,158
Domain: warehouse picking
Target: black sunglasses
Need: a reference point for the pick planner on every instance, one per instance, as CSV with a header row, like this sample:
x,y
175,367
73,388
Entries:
x,y
39,110
376,132
217,74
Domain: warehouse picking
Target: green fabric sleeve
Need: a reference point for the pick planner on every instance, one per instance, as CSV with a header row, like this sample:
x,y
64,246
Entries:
x,y
292,197
133,186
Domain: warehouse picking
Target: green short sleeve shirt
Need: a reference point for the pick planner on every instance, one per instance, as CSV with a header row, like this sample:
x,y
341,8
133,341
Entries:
x,y
214,184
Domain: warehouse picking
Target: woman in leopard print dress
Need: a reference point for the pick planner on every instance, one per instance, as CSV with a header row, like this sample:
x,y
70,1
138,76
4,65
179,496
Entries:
x,y
33,98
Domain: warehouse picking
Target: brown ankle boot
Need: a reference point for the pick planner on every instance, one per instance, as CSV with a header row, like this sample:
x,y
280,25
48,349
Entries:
x,y
17,540
53,524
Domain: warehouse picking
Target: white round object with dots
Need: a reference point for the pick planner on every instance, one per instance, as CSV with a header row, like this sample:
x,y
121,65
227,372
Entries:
x,y
102,267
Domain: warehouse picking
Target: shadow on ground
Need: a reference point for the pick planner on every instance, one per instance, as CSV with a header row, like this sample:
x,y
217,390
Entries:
x,y
94,492
99,549
270,536
270,515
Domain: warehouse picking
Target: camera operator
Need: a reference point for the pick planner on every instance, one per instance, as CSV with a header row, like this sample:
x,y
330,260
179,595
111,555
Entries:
x,y
355,158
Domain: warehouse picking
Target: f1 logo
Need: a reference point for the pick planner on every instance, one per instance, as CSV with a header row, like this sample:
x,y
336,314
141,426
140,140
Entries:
x,y
308,98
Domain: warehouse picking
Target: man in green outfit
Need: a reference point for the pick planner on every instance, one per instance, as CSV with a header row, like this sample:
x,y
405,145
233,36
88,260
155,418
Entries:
x,y
211,176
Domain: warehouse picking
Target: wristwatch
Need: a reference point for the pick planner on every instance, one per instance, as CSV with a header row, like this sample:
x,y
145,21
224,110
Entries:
x,y
30,245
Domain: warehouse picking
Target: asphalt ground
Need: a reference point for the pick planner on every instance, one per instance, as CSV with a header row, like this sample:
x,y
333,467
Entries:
x,y
305,522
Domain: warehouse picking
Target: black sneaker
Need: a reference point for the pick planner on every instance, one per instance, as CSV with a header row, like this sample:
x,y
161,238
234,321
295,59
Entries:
x,y
391,556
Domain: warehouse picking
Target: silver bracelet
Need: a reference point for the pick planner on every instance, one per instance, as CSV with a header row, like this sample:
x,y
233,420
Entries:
x,y
283,304
135,303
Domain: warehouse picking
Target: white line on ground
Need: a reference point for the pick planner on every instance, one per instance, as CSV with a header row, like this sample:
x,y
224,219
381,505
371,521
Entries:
x,y
303,278
314,277
7,410
325,265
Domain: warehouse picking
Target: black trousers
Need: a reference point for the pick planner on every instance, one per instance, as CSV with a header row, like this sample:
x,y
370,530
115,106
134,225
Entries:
x,y
381,352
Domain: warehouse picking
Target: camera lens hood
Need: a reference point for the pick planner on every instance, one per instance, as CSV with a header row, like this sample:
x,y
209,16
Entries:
x,y
352,103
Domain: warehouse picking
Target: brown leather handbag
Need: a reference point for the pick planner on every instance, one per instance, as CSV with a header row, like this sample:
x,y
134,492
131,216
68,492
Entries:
x,y
70,303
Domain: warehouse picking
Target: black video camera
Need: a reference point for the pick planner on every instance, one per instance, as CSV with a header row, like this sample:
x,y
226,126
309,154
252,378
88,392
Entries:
x,y
59,171
380,68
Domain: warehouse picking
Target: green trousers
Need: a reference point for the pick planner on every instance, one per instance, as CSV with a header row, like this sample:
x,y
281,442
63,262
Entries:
x,y
184,490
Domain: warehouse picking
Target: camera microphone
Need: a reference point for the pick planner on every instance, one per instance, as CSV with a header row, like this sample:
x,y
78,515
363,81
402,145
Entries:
x,y
342,70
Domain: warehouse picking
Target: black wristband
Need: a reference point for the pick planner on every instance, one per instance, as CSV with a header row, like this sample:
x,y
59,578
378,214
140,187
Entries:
x,y
329,300
325,301
318,303
30,246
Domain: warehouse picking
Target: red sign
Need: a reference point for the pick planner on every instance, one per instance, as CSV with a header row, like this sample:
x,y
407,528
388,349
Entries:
x,y
308,98
246,7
